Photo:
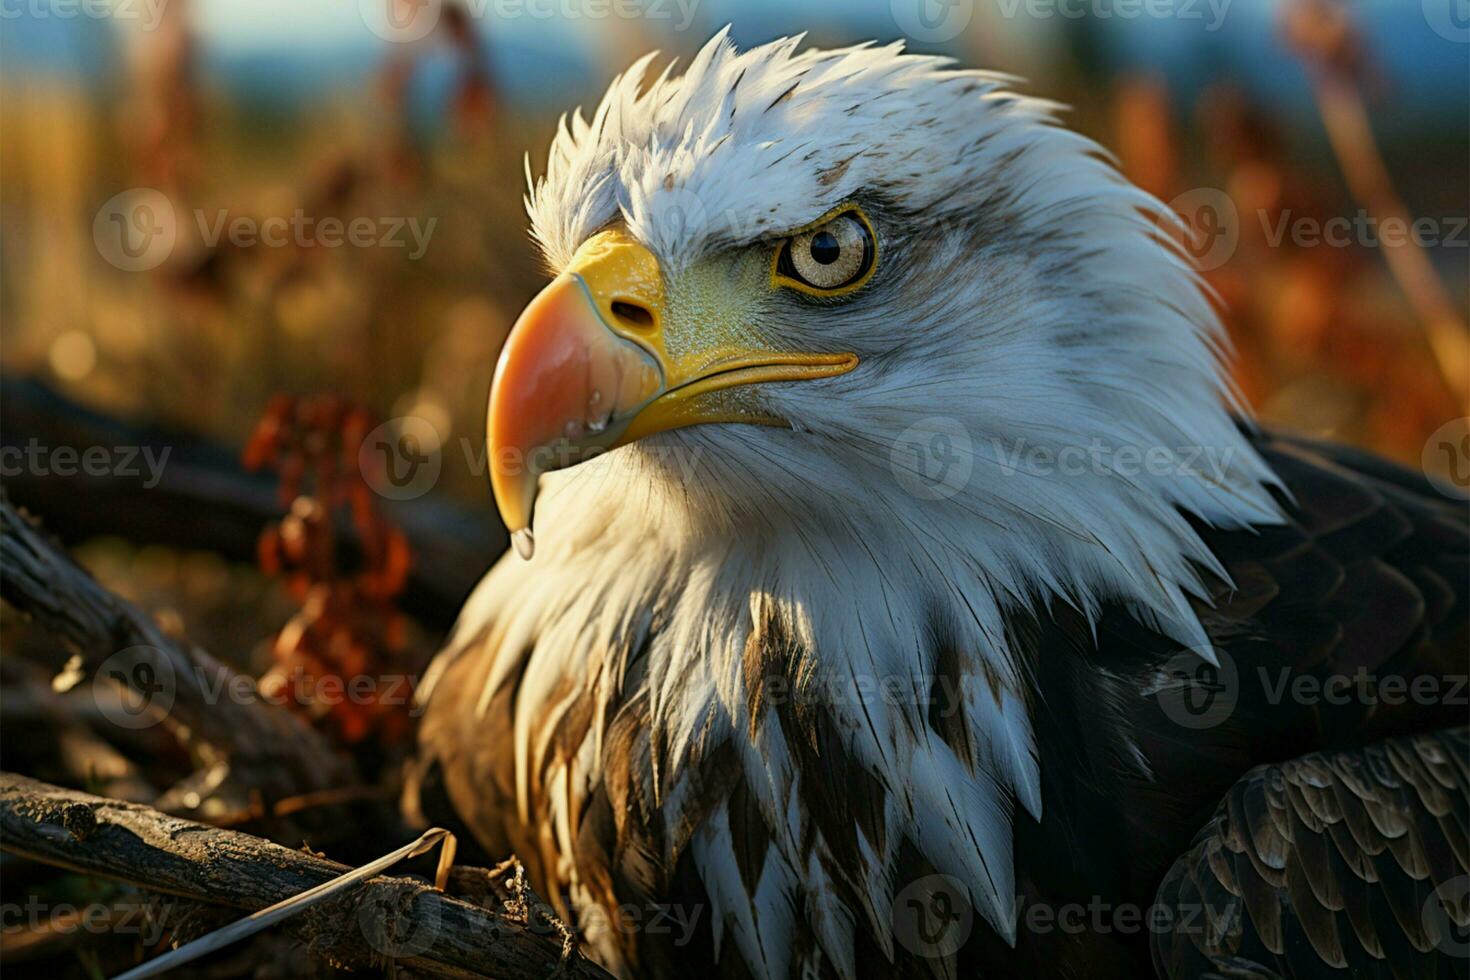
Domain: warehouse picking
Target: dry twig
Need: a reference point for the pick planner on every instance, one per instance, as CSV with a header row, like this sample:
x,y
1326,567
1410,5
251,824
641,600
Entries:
x,y
191,693
386,918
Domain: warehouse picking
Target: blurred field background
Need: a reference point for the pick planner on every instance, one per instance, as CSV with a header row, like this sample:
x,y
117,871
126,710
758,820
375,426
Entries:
x,y
262,107
1289,110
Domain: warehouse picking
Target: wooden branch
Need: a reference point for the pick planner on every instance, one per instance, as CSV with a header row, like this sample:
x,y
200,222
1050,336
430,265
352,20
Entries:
x,y
215,712
166,487
36,727
387,918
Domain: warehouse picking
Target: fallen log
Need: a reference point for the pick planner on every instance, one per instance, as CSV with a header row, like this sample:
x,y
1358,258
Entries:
x,y
387,918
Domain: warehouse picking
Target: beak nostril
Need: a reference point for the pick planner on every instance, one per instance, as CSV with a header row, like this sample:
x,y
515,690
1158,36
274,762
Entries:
x,y
632,314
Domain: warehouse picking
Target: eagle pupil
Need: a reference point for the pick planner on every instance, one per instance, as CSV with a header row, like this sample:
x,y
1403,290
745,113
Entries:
x,y
825,249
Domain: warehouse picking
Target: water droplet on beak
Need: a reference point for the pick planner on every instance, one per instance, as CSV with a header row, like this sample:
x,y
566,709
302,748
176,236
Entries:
x,y
524,543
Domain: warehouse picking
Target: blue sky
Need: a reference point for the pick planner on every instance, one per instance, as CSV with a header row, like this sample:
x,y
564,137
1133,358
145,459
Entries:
x,y
291,50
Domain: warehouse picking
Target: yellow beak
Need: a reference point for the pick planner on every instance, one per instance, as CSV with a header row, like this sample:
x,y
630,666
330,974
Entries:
x,y
586,368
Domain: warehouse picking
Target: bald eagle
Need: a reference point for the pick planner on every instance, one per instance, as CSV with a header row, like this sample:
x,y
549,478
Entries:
x,y
908,596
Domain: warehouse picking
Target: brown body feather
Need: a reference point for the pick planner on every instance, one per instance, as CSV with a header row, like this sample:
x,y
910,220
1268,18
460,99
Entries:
x,y
1341,812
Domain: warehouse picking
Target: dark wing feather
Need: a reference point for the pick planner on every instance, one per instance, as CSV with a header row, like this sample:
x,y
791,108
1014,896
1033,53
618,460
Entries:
x,y
1333,619
1300,897
1367,585
1332,863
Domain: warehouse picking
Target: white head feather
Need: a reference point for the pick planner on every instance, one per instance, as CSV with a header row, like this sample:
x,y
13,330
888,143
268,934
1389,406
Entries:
x,y
1025,302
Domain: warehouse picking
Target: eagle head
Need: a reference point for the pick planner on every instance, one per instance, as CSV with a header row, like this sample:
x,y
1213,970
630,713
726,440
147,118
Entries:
x,y
847,355
875,284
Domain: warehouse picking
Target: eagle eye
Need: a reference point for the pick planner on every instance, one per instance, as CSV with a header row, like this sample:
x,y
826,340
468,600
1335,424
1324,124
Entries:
x,y
830,258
